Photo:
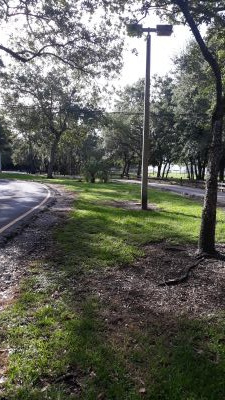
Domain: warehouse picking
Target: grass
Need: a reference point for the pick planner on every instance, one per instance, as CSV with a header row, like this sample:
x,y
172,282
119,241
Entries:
x,y
172,175
24,177
99,234
62,348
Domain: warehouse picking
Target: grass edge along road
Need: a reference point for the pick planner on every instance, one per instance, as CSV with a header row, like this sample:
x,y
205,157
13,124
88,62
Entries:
x,y
60,345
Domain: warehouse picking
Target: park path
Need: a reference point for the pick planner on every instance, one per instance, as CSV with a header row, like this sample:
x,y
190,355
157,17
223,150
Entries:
x,y
179,189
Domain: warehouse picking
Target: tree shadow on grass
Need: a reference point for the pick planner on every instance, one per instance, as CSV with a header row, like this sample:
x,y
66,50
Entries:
x,y
168,358
181,359
181,213
97,235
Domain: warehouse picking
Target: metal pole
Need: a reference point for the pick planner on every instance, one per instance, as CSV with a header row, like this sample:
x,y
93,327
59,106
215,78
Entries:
x,y
145,147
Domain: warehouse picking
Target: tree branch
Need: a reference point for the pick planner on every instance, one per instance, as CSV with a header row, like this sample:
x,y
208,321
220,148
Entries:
x,y
183,5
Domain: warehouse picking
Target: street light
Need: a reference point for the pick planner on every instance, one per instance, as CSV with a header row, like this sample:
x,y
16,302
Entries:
x,y
135,29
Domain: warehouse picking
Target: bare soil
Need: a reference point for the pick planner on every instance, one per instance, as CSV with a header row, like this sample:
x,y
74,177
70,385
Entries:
x,y
130,205
132,293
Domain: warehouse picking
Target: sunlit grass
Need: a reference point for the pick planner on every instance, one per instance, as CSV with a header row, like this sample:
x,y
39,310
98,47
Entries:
x,y
103,234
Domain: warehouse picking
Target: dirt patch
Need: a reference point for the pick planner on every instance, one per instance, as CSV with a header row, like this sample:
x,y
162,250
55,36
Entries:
x,y
129,205
132,293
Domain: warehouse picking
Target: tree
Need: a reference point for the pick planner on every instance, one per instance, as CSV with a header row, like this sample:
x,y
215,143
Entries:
x,y
192,93
216,39
193,13
163,134
69,158
123,134
27,153
46,105
68,31
95,162
4,141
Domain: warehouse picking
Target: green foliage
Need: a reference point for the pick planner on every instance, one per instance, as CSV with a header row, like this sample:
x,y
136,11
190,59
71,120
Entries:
x,y
56,107
194,102
203,11
95,162
4,135
123,133
5,145
164,136
67,31
181,109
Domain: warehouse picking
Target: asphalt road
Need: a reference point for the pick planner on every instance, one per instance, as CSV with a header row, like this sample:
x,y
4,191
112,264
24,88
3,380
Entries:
x,y
18,200
182,190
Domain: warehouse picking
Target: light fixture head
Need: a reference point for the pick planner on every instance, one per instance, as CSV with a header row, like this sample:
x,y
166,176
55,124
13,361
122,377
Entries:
x,y
164,30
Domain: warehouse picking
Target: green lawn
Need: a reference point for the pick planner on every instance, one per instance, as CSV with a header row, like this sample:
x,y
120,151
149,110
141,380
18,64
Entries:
x,y
52,335
24,177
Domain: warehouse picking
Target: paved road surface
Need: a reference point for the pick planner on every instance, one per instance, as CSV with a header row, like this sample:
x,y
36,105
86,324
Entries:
x,y
19,199
183,190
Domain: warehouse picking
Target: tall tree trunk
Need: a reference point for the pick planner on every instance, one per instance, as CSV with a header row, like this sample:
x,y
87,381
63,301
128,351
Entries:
x,y
208,222
164,170
203,172
188,171
204,164
52,158
222,167
199,166
196,171
92,180
192,170
159,167
139,169
124,166
168,170
124,169
128,167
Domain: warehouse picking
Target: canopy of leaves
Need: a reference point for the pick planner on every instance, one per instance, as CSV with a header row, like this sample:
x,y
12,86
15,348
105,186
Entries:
x,y
123,136
83,34
206,11
4,136
46,101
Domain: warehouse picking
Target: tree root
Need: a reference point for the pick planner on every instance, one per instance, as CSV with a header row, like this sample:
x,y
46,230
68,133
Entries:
x,y
215,256
171,248
200,257
182,278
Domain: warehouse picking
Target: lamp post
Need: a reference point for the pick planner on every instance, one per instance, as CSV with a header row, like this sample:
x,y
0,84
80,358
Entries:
x,y
136,29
